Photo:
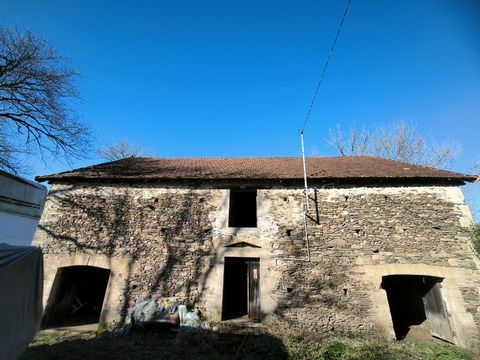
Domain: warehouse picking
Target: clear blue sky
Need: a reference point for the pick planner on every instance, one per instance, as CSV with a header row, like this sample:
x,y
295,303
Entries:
x,y
235,78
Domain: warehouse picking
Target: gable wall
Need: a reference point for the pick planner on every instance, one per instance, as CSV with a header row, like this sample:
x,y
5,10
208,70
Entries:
x,y
173,241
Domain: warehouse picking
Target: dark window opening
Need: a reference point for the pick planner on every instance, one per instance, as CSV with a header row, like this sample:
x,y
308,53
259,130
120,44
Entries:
x,y
76,297
243,208
241,286
416,306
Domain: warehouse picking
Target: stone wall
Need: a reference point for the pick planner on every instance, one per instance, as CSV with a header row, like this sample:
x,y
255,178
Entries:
x,y
166,236
354,228
174,241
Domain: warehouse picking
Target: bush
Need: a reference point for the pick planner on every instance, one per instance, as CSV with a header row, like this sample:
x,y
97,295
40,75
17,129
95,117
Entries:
x,y
475,235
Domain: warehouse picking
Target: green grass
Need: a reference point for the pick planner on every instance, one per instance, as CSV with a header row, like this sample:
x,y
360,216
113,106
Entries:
x,y
371,349
239,344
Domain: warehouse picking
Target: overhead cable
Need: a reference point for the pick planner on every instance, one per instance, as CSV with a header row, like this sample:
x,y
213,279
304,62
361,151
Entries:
x,y
330,54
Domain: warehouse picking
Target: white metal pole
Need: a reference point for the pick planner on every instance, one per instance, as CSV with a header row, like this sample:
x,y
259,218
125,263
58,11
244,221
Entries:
x,y
305,173
307,206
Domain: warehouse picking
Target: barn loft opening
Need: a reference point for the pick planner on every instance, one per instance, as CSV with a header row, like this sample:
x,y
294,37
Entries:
x,y
243,208
241,288
416,306
76,297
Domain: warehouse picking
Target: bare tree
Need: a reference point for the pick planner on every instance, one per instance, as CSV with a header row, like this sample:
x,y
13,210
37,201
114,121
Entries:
x,y
399,141
472,195
122,149
36,88
355,143
476,165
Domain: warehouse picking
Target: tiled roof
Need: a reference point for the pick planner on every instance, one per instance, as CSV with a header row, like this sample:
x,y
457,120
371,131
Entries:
x,y
261,168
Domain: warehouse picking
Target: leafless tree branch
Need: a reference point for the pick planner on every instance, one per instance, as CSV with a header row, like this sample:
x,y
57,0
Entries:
x,y
36,90
122,149
398,141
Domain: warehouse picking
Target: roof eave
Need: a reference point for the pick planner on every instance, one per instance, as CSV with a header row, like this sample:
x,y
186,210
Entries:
x,y
460,180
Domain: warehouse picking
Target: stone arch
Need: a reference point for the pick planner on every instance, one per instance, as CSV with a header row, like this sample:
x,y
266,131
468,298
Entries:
x,y
115,297
77,296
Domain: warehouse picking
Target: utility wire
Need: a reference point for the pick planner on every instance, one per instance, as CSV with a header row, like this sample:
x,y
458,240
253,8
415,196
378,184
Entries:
x,y
332,49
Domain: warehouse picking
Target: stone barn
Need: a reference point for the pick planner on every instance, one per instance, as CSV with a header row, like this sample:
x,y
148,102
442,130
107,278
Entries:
x,y
383,246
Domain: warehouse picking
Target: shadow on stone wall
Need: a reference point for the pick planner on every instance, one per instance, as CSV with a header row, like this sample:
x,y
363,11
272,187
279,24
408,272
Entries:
x,y
73,236
167,240
169,243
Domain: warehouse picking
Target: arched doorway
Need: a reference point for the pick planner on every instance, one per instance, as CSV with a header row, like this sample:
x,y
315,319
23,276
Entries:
x,y
76,297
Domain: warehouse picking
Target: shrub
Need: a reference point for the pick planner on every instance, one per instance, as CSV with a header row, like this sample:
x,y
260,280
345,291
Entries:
x,y
475,235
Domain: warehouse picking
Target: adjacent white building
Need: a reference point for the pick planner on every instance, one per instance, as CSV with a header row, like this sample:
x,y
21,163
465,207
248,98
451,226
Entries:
x,y
21,205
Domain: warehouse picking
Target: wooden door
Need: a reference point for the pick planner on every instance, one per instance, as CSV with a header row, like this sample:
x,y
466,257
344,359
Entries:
x,y
437,318
254,290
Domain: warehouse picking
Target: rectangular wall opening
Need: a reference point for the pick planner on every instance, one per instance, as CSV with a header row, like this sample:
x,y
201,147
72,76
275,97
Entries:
x,y
76,297
241,288
416,307
243,208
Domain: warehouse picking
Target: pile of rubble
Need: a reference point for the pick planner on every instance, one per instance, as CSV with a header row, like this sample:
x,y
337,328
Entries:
x,y
167,311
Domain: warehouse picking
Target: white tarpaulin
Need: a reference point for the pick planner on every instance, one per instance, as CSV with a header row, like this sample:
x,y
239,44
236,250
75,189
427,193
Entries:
x,y
21,287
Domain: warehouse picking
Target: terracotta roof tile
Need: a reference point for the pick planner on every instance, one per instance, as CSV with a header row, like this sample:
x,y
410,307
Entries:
x,y
261,168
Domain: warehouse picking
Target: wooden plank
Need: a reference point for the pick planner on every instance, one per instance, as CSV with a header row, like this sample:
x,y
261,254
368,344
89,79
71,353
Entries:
x,y
437,317
254,290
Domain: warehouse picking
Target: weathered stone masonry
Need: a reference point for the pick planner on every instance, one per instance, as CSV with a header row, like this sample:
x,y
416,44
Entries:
x,y
172,240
